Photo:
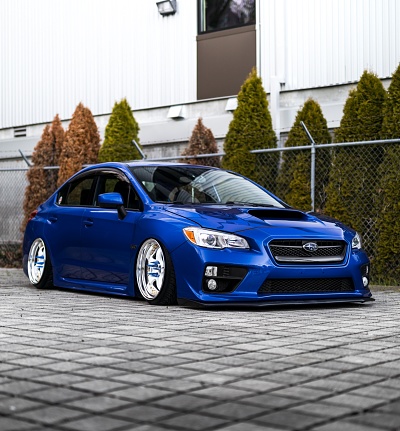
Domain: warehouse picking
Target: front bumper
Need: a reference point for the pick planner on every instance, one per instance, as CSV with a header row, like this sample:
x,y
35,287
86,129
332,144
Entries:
x,y
190,263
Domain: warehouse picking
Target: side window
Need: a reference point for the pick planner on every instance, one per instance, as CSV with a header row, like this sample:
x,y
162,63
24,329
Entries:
x,y
78,193
119,184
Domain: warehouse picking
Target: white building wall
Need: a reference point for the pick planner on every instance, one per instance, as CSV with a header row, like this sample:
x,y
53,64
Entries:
x,y
318,43
55,54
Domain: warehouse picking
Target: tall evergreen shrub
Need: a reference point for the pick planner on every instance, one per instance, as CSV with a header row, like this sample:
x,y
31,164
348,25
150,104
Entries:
x,y
121,129
352,187
294,179
387,262
81,144
251,129
202,141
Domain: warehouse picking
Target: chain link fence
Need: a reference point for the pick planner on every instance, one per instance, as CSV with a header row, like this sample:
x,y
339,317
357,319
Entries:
x,y
344,183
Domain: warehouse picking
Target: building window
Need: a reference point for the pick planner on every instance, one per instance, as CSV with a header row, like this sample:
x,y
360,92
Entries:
x,y
224,14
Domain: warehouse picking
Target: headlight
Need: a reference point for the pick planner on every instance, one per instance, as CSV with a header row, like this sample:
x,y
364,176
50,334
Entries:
x,y
356,241
214,239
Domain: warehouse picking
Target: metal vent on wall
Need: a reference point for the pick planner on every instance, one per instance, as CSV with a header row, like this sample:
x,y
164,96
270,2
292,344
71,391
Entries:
x,y
20,132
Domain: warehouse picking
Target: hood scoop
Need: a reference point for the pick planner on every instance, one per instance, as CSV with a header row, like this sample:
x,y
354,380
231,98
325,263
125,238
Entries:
x,y
278,214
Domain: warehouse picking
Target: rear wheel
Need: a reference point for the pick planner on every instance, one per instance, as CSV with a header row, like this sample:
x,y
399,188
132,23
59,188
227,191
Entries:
x,y
40,271
155,275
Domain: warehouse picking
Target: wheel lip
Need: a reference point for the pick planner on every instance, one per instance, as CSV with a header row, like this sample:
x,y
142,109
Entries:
x,y
146,251
35,269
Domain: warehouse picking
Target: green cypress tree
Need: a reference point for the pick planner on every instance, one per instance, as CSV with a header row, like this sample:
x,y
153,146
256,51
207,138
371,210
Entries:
x,y
353,181
202,141
387,262
251,129
121,129
81,144
294,179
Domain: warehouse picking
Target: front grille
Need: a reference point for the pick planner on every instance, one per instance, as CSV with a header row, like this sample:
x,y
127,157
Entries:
x,y
306,285
292,252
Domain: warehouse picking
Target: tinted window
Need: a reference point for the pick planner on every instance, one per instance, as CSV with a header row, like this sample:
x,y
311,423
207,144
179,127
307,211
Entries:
x,y
223,14
79,192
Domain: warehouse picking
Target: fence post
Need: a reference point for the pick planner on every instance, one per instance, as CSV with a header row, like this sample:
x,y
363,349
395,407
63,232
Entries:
x,y
139,149
312,165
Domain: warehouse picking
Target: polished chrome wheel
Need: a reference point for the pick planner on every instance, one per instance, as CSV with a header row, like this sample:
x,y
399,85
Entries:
x,y
36,261
150,269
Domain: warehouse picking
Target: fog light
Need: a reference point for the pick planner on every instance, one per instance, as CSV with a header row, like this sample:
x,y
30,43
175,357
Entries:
x,y
211,284
211,271
365,281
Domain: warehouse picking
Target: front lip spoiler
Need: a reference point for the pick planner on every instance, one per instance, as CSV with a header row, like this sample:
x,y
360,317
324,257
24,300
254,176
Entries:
x,y
263,304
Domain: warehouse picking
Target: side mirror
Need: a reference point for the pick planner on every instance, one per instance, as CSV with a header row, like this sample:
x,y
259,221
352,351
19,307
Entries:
x,y
113,201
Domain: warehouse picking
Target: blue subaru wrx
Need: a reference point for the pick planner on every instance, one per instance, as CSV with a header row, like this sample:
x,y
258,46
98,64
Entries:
x,y
177,233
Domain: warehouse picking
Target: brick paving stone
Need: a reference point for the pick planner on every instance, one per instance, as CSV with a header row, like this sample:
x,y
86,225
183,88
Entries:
x,y
392,407
248,426
289,419
140,393
346,426
97,423
256,385
332,385
221,392
50,415
185,402
144,413
325,410
97,404
12,424
55,395
136,378
194,421
98,386
378,419
354,401
233,411
14,405
270,401
301,392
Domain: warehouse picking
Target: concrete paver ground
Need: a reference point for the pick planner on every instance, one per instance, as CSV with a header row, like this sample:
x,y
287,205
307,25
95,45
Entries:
x,y
82,362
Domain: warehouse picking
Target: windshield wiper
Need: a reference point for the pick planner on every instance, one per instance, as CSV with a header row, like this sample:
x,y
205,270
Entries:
x,y
250,204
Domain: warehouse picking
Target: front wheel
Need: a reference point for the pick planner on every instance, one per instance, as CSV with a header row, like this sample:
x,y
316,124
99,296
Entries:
x,y
155,275
40,271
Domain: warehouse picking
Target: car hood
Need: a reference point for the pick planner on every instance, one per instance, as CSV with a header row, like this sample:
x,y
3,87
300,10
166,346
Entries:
x,y
277,222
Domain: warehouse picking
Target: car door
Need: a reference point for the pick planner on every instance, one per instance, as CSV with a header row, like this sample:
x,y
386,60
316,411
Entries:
x,y
64,225
107,240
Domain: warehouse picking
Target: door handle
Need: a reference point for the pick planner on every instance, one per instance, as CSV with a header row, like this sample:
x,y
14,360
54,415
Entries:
x,y
88,223
52,219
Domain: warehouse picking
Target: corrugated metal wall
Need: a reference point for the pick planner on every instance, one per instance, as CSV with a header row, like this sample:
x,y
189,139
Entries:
x,y
314,43
55,54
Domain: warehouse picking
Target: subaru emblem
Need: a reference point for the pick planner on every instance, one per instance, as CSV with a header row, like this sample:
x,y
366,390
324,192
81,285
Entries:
x,y
310,246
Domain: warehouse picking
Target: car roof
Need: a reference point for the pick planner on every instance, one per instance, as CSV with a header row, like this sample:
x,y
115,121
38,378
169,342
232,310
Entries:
x,y
138,163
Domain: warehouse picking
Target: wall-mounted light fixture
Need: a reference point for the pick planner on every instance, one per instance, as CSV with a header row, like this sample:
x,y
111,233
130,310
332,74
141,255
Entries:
x,y
166,7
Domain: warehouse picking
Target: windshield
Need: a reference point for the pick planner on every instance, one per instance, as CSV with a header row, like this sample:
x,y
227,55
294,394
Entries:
x,y
200,185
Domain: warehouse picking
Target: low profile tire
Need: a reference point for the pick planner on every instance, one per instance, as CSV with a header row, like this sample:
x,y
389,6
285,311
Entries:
x,y
40,271
155,275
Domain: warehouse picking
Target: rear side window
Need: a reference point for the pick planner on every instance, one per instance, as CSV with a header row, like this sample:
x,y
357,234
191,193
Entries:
x,y
78,193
